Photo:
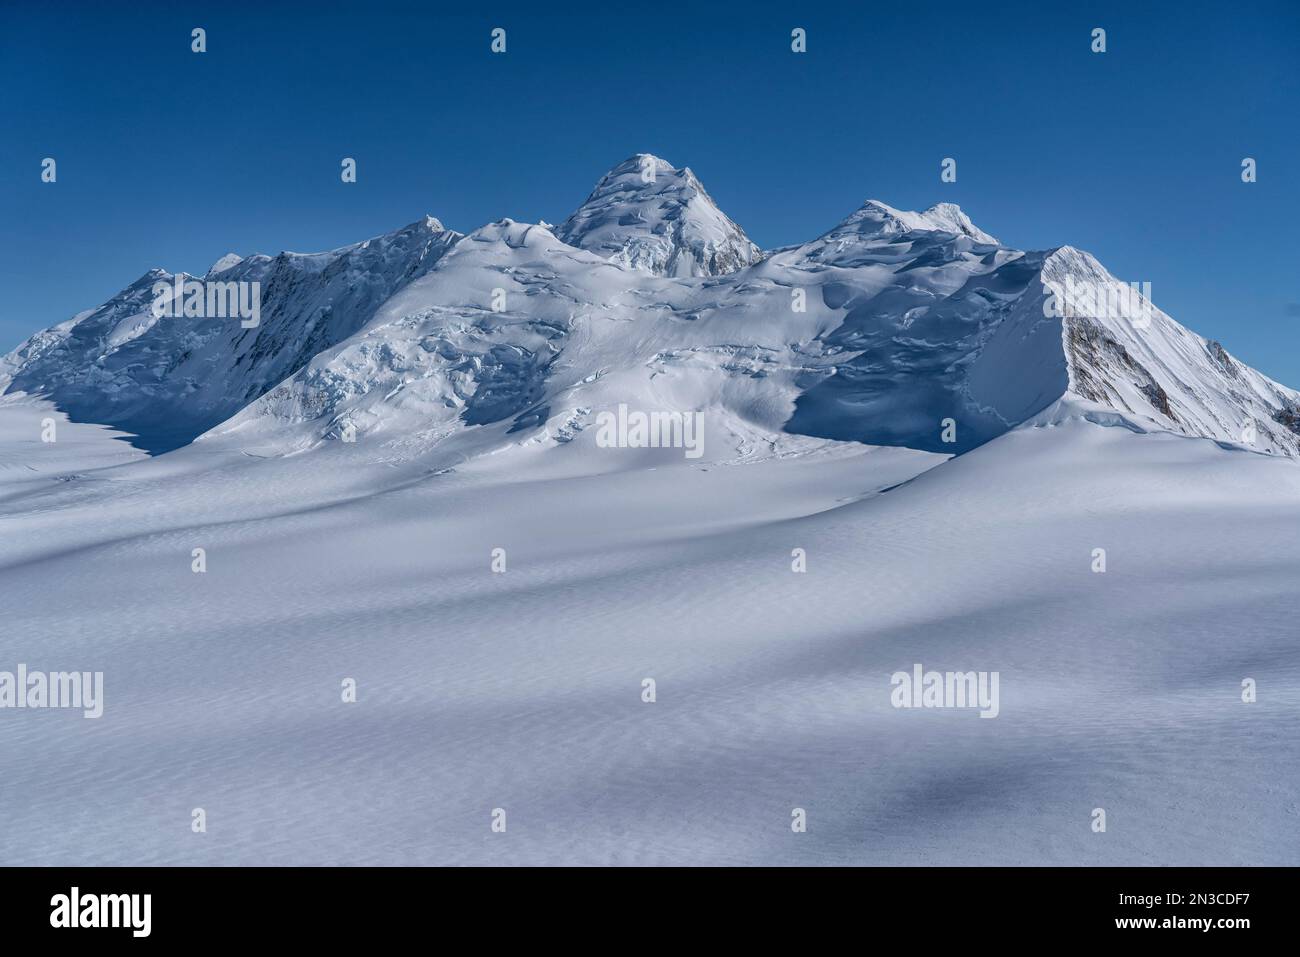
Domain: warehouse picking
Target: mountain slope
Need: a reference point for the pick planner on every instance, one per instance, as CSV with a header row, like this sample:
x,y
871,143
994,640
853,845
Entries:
x,y
1146,366
169,379
975,332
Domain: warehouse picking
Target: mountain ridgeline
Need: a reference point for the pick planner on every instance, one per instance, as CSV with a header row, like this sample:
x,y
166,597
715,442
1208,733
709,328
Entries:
x,y
898,328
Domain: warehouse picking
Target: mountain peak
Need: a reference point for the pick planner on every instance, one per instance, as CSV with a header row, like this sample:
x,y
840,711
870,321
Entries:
x,y
638,162
876,217
950,218
228,261
647,214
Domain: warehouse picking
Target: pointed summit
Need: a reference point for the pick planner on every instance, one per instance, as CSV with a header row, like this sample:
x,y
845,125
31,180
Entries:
x,y
648,215
228,261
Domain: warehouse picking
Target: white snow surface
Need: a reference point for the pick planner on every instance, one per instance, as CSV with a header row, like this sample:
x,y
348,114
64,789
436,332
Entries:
x,y
522,690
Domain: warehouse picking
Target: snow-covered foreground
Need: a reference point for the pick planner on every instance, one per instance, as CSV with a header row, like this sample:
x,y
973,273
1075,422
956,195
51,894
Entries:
x,y
522,690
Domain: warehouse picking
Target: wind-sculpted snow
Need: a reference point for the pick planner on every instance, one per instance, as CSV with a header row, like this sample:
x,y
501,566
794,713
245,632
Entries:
x,y
913,329
955,331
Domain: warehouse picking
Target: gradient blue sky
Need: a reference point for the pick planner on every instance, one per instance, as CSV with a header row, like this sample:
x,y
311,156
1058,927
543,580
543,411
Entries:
x,y
170,158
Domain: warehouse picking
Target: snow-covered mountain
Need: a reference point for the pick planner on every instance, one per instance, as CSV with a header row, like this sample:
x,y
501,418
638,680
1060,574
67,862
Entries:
x,y
961,327
877,219
169,379
646,214
893,328
1152,369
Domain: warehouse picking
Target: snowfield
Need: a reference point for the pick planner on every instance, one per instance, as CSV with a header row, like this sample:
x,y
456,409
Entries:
x,y
907,459
522,690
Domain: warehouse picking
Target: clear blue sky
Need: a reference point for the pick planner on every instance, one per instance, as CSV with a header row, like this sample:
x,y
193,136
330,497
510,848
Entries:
x,y
170,158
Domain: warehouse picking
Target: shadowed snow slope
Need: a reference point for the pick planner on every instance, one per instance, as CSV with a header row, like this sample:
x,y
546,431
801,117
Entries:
x,y
168,379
